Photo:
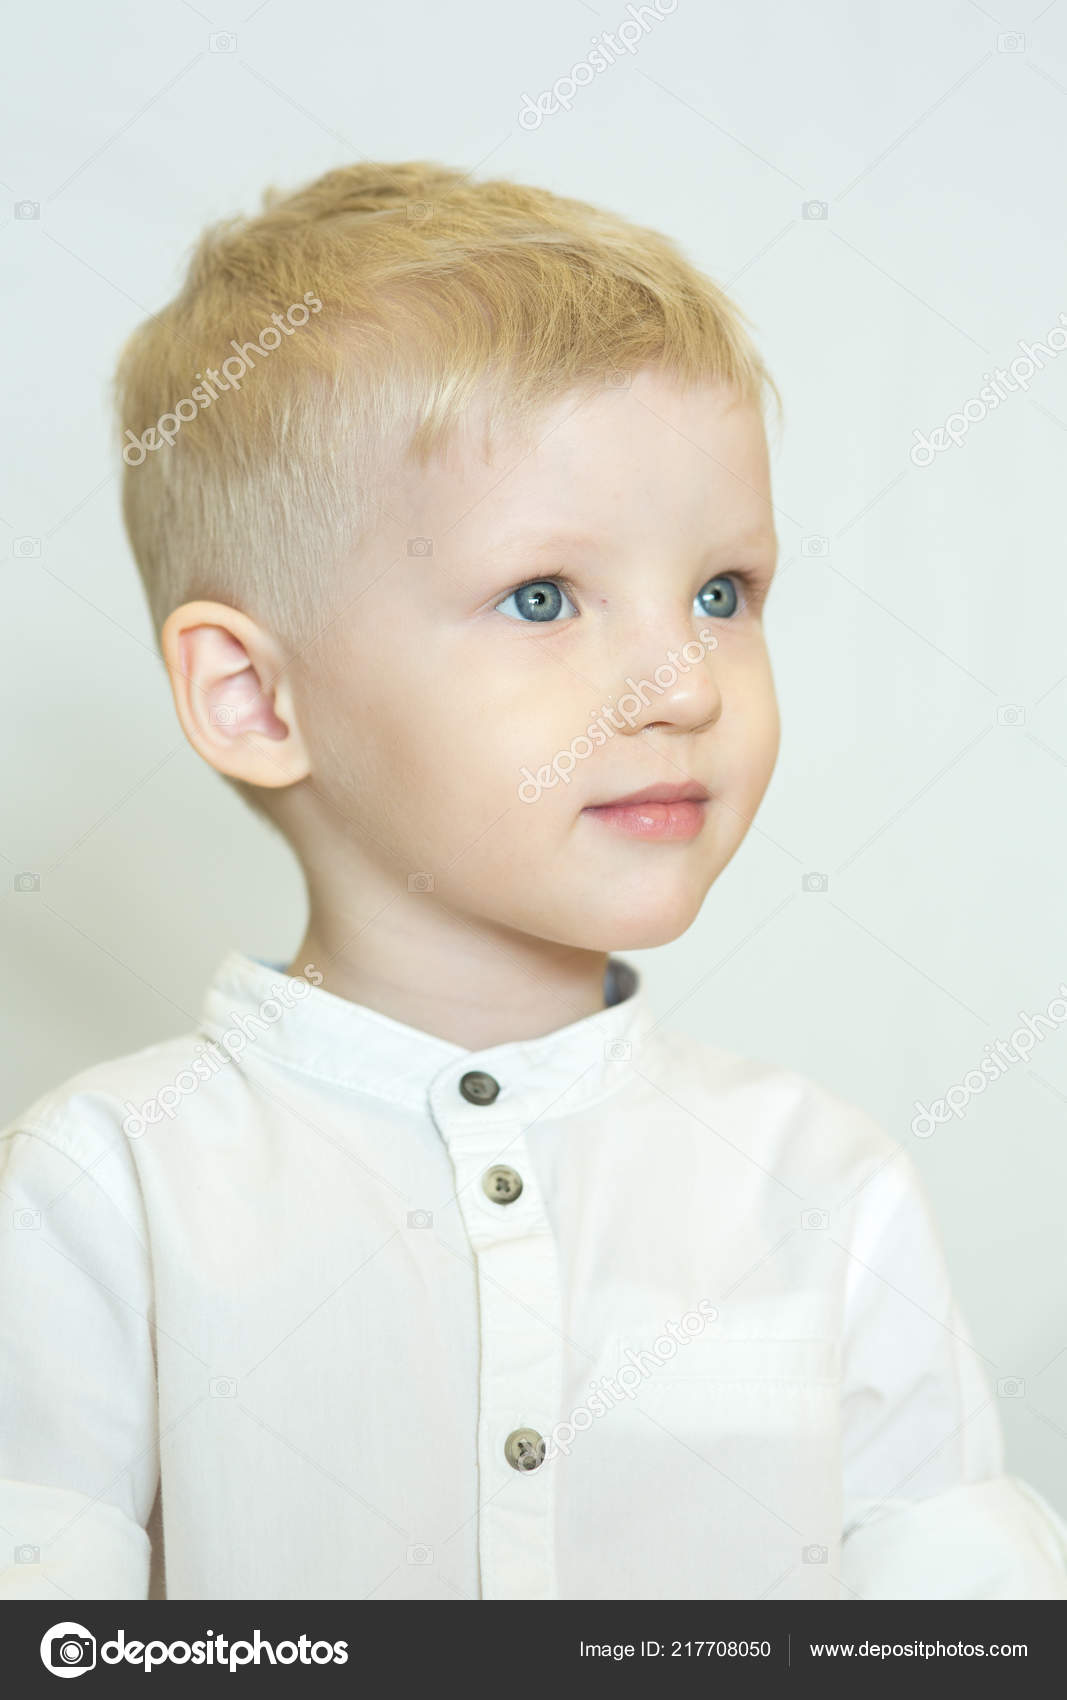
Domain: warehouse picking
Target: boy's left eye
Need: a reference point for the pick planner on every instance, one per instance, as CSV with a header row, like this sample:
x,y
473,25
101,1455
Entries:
x,y
718,597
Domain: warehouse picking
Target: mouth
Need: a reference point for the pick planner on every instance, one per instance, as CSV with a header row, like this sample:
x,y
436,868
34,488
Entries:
x,y
659,811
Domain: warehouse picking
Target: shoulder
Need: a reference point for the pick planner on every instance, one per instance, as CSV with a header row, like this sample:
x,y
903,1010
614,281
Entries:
x,y
87,1115
782,1118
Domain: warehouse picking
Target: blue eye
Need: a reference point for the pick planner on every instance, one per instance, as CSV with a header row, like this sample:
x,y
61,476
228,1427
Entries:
x,y
538,602
718,597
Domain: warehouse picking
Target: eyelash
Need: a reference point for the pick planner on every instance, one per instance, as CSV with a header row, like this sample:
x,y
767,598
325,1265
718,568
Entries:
x,y
750,582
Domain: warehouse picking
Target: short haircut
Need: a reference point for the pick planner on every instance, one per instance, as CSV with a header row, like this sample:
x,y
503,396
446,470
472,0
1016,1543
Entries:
x,y
360,318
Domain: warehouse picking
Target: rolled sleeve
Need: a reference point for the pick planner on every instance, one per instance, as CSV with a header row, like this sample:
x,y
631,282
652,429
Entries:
x,y
83,1549
79,1458
929,1510
991,1540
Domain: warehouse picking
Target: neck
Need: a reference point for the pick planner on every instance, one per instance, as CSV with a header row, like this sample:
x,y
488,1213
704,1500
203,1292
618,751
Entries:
x,y
472,982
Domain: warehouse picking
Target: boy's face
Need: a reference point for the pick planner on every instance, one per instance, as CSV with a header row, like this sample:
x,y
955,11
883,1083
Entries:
x,y
466,729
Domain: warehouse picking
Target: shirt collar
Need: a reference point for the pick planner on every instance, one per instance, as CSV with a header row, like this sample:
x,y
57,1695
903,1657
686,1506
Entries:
x,y
254,1010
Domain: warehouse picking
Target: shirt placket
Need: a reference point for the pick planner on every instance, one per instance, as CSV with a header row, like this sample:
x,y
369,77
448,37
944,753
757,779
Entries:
x,y
520,1319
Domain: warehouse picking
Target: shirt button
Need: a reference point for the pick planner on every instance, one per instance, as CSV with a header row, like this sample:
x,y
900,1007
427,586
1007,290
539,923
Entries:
x,y
479,1088
501,1184
524,1449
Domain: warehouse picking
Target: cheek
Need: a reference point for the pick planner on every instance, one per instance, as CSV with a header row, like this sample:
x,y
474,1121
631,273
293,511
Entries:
x,y
771,732
446,755
756,731
377,726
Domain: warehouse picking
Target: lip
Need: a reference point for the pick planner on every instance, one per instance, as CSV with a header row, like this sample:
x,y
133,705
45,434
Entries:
x,y
690,792
657,812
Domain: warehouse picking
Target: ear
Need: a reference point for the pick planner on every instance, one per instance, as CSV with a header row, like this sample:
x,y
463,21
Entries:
x,y
232,694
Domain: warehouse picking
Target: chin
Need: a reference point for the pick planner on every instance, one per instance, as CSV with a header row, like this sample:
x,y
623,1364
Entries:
x,y
646,935
642,925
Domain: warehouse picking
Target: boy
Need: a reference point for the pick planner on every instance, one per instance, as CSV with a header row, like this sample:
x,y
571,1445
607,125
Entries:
x,y
432,1265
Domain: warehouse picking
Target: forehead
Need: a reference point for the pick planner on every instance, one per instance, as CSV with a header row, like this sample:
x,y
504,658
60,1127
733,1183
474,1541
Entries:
x,y
617,463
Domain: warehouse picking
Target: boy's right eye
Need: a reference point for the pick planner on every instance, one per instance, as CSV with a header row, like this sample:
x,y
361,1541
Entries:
x,y
538,602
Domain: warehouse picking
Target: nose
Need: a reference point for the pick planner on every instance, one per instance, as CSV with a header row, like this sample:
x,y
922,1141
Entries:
x,y
677,690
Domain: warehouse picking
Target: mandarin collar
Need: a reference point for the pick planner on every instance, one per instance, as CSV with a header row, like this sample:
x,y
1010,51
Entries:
x,y
350,1045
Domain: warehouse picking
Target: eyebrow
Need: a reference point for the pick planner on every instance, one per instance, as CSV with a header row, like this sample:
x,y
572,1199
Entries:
x,y
546,540
757,539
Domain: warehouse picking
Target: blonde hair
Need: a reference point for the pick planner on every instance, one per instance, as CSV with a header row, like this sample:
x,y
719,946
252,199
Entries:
x,y
431,289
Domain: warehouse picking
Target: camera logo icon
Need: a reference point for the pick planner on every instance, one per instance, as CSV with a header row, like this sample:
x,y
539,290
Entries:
x,y
420,1555
815,1219
1011,1387
616,380
420,1218
1011,714
815,1554
618,1050
68,1649
222,42
420,545
1011,42
27,209
420,882
815,545
815,209
814,882
26,548
27,882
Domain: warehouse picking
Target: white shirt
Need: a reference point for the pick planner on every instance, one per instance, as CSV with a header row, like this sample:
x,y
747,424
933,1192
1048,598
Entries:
x,y
289,1307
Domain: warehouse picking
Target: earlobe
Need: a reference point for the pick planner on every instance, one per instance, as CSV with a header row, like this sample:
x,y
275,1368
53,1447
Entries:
x,y
233,695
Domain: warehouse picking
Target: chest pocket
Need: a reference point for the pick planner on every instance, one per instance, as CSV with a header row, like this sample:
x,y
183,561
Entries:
x,y
730,1456
759,1360
733,1394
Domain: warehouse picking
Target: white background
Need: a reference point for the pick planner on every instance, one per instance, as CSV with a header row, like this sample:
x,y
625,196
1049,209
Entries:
x,y
937,140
